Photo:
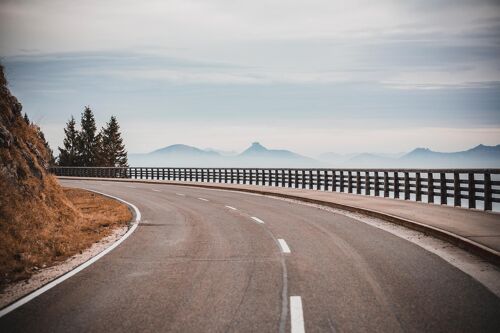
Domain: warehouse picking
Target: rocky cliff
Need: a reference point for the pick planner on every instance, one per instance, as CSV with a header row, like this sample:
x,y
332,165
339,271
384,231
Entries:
x,y
33,207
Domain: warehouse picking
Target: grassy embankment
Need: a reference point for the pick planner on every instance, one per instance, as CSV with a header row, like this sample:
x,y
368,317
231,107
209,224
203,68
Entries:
x,y
35,242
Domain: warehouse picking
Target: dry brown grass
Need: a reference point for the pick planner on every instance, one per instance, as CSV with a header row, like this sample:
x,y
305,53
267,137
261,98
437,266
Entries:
x,y
37,235
99,213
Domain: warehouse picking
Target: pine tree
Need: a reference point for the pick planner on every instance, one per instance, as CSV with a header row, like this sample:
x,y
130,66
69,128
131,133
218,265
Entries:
x,y
26,119
68,156
113,150
88,140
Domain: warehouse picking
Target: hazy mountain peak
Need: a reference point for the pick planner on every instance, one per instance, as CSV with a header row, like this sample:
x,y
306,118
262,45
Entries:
x,y
484,148
420,150
181,149
255,148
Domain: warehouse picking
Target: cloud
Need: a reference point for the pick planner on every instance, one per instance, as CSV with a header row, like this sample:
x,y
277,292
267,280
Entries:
x,y
383,64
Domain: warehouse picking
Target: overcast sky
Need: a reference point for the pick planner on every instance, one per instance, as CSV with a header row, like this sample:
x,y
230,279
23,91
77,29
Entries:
x,y
310,76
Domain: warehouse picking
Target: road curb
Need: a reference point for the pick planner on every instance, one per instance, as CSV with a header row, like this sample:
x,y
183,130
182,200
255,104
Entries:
x,y
480,250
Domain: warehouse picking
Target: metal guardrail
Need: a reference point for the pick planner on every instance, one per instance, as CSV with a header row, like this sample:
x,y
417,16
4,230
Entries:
x,y
470,188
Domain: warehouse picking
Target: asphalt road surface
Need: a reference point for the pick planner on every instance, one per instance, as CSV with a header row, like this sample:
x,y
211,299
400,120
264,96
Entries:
x,y
217,261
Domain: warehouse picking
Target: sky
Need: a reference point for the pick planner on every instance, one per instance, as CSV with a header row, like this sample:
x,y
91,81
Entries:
x,y
312,76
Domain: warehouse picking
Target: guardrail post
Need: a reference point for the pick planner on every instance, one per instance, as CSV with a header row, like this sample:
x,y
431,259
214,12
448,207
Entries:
x,y
418,187
386,184
358,182
376,184
326,180
444,188
367,183
296,178
396,185
333,177
487,192
407,186
349,182
341,180
318,180
430,187
472,191
457,193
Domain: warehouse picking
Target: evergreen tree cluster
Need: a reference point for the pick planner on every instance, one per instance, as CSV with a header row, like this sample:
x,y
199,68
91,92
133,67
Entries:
x,y
87,147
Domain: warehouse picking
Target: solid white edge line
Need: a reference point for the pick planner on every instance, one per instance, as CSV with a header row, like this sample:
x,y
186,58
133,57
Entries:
x,y
202,199
256,219
77,269
231,207
283,245
296,315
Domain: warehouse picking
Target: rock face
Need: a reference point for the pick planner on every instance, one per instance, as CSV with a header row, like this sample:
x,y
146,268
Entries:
x,y
31,202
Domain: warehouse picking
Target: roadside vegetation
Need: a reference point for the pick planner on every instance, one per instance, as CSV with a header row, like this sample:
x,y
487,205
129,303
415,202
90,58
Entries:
x,y
41,223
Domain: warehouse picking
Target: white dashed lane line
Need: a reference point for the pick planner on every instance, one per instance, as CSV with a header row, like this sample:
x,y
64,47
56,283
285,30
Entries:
x,y
284,246
156,190
202,199
256,219
180,194
231,207
296,315
131,186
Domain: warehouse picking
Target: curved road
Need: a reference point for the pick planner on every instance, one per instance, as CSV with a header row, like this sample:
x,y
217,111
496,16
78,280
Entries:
x,y
196,265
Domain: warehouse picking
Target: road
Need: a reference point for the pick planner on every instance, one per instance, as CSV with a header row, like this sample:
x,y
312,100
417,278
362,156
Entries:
x,y
218,261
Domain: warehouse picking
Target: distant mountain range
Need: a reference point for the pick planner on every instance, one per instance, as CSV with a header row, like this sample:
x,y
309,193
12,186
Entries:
x,y
257,155
254,156
480,156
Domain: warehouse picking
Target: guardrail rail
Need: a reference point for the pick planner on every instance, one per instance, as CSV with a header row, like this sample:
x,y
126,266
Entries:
x,y
470,188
